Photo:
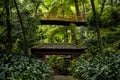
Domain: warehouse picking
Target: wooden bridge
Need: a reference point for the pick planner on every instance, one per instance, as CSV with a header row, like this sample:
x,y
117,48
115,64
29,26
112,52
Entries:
x,y
58,49
61,22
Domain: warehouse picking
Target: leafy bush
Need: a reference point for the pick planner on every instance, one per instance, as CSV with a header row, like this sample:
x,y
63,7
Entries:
x,y
19,67
97,68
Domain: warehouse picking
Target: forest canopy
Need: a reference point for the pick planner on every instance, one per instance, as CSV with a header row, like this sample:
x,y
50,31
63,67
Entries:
x,y
21,28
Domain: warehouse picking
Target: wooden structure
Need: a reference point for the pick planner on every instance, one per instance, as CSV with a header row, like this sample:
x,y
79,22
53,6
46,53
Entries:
x,y
61,22
58,49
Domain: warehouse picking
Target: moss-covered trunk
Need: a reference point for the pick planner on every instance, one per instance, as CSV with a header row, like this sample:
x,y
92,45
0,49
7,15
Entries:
x,y
97,27
9,28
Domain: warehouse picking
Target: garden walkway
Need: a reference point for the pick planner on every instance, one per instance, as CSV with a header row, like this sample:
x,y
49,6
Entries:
x,y
63,77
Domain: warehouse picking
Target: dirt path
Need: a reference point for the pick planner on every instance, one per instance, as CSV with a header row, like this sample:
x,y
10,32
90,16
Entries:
x,y
61,77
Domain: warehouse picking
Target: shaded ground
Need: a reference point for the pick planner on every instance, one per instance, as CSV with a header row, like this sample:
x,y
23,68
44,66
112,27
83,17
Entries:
x,y
62,77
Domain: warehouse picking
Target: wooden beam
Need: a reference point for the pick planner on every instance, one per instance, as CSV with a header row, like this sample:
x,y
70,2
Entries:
x,y
61,22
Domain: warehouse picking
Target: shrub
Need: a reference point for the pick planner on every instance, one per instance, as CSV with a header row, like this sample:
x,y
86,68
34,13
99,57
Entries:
x,y
20,67
97,68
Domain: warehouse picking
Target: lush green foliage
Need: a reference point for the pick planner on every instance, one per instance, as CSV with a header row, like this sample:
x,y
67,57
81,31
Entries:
x,y
19,67
31,11
58,63
97,68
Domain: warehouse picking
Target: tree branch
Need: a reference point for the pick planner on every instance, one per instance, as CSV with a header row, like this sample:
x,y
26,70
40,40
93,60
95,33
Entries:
x,y
102,8
22,27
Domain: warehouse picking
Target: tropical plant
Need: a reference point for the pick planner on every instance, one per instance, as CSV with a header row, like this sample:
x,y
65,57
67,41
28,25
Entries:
x,y
20,67
97,68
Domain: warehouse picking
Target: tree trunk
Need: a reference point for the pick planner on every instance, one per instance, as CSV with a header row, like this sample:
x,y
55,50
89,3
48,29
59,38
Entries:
x,y
84,10
22,27
9,28
73,30
111,3
102,8
73,37
36,8
77,9
97,27
66,34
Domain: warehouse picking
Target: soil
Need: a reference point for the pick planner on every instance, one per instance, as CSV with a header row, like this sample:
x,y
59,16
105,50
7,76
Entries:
x,y
63,77
60,75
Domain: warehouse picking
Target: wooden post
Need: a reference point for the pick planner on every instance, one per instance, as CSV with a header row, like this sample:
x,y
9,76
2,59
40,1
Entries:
x,y
72,56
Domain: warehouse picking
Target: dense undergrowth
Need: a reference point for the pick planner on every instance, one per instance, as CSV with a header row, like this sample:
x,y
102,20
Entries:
x,y
20,67
105,67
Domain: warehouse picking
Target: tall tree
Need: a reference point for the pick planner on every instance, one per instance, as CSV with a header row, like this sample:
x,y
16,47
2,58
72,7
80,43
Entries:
x,y
97,26
9,28
84,8
22,27
77,9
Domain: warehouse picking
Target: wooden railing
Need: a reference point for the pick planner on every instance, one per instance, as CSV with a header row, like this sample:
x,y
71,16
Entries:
x,y
73,18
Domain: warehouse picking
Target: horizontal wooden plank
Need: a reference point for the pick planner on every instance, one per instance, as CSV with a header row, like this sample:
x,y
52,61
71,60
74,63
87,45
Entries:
x,y
56,51
61,22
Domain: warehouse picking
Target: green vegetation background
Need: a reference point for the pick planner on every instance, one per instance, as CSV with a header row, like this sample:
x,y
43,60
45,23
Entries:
x,y
20,30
